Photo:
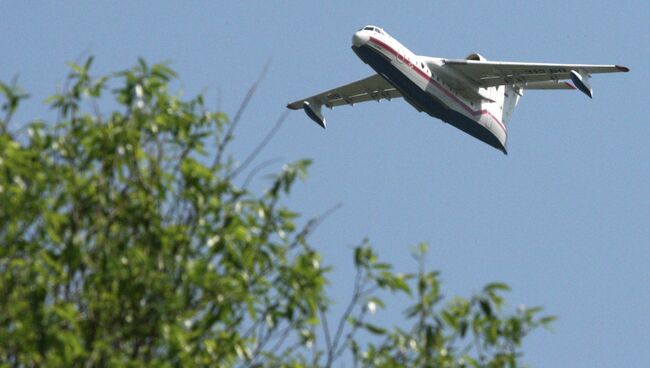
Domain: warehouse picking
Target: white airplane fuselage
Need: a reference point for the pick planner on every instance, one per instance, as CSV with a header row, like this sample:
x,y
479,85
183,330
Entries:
x,y
427,85
475,95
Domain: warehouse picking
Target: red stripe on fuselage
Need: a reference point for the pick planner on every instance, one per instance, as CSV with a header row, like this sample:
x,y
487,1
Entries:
x,y
440,87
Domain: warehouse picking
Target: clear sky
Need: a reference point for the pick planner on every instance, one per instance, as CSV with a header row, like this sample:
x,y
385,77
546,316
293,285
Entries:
x,y
564,218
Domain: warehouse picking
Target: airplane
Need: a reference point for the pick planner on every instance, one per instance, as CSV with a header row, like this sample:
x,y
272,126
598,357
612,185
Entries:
x,y
473,94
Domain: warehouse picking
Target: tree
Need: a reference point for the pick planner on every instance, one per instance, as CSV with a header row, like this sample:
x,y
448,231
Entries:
x,y
125,242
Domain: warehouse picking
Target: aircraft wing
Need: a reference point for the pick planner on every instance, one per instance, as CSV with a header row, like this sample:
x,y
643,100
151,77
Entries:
x,y
495,73
373,88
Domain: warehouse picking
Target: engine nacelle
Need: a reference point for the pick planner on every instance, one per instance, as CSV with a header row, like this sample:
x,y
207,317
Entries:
x,y
476,57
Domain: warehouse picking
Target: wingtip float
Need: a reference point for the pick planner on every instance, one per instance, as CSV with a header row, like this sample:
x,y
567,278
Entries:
x,y
314,113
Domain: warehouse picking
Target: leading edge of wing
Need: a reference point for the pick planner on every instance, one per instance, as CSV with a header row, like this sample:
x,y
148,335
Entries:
x,y
374,87
591,68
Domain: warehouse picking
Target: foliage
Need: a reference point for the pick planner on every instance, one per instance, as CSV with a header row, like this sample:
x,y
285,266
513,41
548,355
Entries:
x,y
125,243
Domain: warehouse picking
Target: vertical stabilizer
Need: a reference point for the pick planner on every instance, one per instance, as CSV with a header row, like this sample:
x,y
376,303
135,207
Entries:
x,y
511,95
505,99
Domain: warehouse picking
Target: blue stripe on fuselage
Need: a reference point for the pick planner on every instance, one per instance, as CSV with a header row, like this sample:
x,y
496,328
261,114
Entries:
x,y
423,100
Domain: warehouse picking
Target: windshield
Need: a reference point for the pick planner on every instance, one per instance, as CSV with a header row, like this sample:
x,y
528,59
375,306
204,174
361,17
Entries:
x,y
374,29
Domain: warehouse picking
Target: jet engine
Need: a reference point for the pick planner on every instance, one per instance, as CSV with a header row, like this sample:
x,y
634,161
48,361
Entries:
x,y
476,57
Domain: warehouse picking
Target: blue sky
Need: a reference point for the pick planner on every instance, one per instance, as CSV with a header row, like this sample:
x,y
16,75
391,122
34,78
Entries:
x,y
564,218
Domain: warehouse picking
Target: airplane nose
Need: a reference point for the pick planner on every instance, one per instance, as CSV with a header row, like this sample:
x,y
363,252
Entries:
x,y
359,38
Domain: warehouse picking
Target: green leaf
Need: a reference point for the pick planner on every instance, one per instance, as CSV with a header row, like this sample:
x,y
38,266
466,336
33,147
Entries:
x,y
357,256
545,321
450,319
486,308
496,286
376,330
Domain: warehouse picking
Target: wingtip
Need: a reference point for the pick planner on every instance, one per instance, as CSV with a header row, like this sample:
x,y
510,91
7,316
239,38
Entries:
x,y
622,68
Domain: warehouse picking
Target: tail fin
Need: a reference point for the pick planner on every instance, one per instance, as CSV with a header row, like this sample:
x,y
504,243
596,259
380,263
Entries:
x,y
511,95
506,98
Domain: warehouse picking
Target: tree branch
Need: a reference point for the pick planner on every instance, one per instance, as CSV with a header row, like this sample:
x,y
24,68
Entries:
x,y
261,145
256,169
356,294
326,332
221,146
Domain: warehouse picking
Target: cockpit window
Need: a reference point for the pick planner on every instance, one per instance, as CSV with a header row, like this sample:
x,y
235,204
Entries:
x,y
374,29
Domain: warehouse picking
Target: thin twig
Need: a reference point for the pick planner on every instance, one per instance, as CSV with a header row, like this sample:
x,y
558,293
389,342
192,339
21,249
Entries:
x,y
68,79
313,224
314,348
309,227
350,334
242,107
219,99
256,169
349,309
326,331
264,338
261,145
10,111
282,338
